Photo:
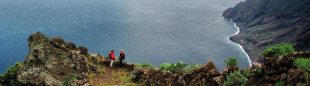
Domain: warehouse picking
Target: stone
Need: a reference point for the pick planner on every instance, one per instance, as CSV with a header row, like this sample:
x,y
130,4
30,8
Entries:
x,y
50,61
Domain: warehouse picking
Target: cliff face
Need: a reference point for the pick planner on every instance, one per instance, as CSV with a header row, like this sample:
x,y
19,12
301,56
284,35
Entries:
x,y
53,62
263,23
268,73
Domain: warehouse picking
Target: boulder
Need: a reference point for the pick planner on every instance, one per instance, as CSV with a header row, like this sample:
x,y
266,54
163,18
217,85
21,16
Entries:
x,y
51,62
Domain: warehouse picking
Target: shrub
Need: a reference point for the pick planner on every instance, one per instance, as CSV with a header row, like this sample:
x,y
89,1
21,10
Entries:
x,y
246,72
304,64
279,83
257,71
166,66
235,79
9,77
197,66
174,68
278,50
143,65
189,68
231,61
69,79
62,56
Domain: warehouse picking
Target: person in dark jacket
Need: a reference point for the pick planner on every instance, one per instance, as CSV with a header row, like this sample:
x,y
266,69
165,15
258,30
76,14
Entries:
x,y
121,56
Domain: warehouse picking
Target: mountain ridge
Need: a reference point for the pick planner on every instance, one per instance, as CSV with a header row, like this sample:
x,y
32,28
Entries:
x,y
264,23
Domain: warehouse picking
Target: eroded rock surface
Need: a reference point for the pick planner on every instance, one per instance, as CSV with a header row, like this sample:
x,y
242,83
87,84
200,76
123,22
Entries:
x,y
53,62
207,75
266,22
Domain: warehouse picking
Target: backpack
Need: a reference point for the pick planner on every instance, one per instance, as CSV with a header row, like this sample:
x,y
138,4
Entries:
x,y
122,55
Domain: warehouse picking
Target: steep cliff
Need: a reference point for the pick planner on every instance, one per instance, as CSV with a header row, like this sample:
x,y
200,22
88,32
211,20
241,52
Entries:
x,y
53,62
263,23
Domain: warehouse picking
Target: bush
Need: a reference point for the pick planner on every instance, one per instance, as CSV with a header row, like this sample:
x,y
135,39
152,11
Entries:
x,y
166,66
235,79
278,50
257,71
279,83
9,77
143,65
174,68
231,61
246,72
69,79
304,64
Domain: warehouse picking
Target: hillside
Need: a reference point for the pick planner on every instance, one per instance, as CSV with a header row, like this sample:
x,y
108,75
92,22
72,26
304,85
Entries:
x,y
264,23
55,62
272,72
60,63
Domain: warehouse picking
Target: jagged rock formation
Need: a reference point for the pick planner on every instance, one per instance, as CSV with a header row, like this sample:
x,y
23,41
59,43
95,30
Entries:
x,y
266,22
207,75
271,71
53,62
280,68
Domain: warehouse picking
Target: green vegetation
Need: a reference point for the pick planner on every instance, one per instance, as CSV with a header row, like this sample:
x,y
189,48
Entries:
x,y
174,68
304,64
143,65
235,79
257,71
69,79
279,83
62,56
9,77
231,61
278,50
246,72
124,77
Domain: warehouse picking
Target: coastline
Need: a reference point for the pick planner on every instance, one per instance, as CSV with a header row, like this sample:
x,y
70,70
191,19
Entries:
x,y
241,47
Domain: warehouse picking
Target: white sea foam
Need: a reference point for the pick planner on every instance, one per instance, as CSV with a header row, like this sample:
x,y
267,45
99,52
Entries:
x,y
238,31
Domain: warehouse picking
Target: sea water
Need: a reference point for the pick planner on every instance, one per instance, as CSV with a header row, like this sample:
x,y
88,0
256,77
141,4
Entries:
x,y
150,31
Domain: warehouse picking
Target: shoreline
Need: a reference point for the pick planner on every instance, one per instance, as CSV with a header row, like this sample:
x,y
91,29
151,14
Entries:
x,y
241,47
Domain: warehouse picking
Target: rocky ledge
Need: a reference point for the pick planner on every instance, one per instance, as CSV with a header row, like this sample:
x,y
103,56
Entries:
x,y
55,62
271,72
52,61
264,23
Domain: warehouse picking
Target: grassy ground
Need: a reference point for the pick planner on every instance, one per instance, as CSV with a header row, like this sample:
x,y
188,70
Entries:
x,y
111,77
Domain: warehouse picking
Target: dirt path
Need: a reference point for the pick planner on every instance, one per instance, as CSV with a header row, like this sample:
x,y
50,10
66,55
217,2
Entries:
x,y
106,75
106,78
111,77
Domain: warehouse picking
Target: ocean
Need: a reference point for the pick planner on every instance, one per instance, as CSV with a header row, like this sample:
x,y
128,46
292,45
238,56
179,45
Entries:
x,y
150,31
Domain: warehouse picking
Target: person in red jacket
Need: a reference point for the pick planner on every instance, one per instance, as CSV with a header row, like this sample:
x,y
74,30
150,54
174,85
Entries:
x,y
121,56
112,57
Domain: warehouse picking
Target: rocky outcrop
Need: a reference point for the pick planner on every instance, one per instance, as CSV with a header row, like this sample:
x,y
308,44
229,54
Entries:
x,y
271,71
275,69
263,23
53,62
206,75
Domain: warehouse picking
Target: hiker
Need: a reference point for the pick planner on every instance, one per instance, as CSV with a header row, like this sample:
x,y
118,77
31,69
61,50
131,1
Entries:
x,y
121,57
112,57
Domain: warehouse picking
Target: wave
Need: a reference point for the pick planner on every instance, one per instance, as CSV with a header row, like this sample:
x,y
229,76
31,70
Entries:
x,y
241,47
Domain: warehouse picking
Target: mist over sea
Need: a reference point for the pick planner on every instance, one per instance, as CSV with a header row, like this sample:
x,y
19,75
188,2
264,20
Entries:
x,y
150,31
